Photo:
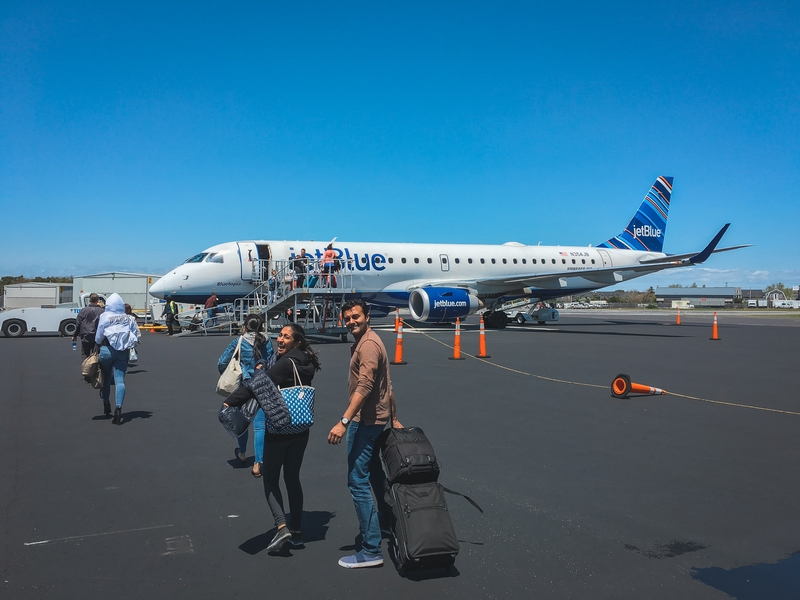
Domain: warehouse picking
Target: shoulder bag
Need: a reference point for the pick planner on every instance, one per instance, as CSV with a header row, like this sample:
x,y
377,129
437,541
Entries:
x,y
90,365
299,400
91,371
231,377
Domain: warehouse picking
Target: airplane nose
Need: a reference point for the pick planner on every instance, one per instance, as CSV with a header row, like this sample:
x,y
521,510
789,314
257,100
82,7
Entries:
x,y
160,287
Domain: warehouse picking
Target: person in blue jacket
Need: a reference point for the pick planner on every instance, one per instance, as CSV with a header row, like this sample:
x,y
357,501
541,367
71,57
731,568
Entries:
x,y
255,346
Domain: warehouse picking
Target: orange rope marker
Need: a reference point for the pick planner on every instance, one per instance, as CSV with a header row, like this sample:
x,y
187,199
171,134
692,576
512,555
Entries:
x,y
622,386
398,348
457,342
714,330
396,319
482,344
678,318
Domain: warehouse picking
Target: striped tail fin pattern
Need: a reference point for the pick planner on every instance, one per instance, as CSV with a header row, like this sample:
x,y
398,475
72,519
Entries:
x,y
646,229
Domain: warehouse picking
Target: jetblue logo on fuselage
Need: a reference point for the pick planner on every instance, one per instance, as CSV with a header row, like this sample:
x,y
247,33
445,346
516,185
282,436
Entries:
x,y
646,231
354,261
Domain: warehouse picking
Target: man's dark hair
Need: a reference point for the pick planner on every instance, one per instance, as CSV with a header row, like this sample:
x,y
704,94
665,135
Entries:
x,y
93,298
351,304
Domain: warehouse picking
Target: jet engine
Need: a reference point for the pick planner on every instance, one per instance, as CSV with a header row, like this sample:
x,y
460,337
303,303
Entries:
x,y
438,305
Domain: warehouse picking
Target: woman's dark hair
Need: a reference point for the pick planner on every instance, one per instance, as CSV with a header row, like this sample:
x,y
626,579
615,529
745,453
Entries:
x,y
299,334
253,323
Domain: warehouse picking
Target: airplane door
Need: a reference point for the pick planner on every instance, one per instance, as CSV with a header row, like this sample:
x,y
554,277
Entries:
x,y
445,262
248,255
606,258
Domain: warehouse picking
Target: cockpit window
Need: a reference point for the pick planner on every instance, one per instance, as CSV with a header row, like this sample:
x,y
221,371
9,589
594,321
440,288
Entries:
x,y
215,257
196,258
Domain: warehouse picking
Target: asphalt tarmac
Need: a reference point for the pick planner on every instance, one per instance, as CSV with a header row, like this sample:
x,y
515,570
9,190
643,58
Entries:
x,y
585,495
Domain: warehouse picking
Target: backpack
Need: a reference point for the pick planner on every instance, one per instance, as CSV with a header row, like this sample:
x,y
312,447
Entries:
x,y
408,456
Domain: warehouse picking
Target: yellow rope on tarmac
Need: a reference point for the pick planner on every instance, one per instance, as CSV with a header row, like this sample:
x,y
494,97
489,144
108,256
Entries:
x,y
594,385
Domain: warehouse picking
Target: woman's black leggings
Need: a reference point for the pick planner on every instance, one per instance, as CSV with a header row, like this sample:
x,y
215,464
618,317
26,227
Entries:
x,y
284,451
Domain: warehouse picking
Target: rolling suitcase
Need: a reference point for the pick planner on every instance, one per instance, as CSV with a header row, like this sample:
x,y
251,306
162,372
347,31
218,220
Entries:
x,y
423,533
424,536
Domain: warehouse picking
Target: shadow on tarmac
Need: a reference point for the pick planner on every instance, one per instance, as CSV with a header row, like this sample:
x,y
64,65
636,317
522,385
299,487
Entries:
x,y
421,574
126,416
315,529
777,581
136,414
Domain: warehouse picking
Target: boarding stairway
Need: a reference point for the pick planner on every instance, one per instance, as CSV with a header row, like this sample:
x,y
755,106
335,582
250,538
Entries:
x,y
312,299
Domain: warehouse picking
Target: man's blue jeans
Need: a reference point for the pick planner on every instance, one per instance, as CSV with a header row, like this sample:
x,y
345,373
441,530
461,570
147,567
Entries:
x,y
114,363
364,471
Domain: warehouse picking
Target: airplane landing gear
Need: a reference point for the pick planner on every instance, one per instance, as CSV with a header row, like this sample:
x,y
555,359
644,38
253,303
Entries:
x,y
496,320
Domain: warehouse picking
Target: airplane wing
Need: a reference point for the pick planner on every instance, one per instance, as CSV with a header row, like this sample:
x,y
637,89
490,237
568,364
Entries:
x,y
607,276
612,275
674,257
695,258
411,284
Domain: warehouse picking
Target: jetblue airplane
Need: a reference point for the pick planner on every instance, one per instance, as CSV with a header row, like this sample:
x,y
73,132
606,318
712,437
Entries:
x,y
439,282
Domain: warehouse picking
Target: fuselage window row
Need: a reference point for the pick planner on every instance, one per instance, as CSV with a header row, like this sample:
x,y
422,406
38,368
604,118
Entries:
x,y
390,260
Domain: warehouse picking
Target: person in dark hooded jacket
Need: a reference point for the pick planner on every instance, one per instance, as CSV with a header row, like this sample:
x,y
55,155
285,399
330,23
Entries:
x,y
285,451
86,324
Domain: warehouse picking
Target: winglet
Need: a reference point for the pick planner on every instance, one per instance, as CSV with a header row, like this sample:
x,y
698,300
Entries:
x,y
703,256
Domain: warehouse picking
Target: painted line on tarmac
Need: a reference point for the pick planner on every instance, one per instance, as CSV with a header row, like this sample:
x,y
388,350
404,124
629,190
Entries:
x,y
91,535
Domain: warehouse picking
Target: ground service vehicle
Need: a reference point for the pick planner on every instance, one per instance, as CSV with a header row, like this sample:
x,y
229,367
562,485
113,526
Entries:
x,y
522,312
46,319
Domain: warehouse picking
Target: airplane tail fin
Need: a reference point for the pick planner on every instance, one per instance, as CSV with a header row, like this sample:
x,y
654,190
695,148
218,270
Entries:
x,y
648,226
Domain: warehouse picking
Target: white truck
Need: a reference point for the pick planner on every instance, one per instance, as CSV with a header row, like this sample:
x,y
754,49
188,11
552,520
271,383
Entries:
x,y
59,318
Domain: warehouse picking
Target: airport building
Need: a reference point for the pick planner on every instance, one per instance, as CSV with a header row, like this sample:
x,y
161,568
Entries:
x,y
34,294
133,287
716,297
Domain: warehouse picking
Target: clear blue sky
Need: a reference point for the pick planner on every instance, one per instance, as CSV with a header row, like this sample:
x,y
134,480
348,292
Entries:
x,y
135,134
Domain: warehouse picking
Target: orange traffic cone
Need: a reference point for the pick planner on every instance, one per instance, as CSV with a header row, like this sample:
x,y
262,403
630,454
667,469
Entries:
x,y
396,319
457,342
678,318
398,349
622,386
714,330
482,344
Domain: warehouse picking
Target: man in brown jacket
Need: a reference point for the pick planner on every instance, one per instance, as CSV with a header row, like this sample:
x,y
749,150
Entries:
x,y
370,407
